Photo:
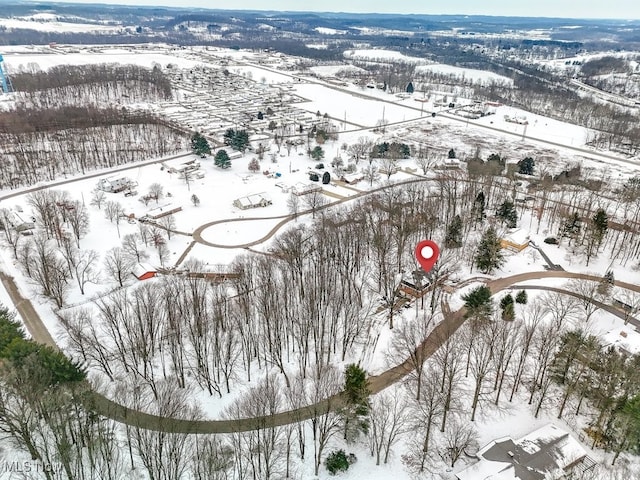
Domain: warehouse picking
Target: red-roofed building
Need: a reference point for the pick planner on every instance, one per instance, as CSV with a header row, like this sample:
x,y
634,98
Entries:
x,y
144,271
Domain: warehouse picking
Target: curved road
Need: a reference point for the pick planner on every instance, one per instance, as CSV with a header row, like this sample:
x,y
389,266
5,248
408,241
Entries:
x,y
453,320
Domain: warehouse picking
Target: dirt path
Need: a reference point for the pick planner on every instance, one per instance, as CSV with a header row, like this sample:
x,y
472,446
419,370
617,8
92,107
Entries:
x,y
602,306
32,321
110,409
197,234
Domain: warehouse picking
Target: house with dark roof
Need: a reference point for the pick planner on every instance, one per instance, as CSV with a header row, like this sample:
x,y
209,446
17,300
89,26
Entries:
x,y
544,454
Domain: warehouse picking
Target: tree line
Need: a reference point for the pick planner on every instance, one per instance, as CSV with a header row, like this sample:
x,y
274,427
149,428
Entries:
x,y
91,84
44,144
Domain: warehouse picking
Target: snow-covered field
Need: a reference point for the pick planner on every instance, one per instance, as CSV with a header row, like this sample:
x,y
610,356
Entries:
x,y
468,74
382,55
53,25
15,61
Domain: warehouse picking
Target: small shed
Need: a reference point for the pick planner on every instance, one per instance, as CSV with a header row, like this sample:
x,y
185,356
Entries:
x,y
516,240
144,271
163,211
352,178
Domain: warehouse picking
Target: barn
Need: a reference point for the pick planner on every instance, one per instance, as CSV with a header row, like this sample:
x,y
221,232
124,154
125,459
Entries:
x,y
144,271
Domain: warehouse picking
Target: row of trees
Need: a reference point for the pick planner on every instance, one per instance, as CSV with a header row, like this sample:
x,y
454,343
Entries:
x,y
53,258
64,121
82,85
43,152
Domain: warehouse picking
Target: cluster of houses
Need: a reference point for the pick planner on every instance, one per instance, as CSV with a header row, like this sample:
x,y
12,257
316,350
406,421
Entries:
x,y
214,100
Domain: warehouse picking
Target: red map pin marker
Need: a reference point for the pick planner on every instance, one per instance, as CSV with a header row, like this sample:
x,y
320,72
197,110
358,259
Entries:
x,y
427,253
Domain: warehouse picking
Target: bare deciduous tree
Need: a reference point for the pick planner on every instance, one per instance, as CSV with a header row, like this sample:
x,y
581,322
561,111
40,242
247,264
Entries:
x,y
459,438
314,201
98,197
117,264
387,421
168,223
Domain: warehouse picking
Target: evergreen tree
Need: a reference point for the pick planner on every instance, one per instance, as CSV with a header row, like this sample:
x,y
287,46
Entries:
x,y
571,226
356,402
478,302
452,153
477,210
623,433
506,300
236,139
317,153
606,284
200,145
600,225
10,328
489,255
597,229
222,159
507,212
410,87
521,297
509,312
453,239
32,359
336,461
526,166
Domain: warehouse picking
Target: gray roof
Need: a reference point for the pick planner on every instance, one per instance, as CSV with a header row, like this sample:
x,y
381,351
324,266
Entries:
x,y
527,465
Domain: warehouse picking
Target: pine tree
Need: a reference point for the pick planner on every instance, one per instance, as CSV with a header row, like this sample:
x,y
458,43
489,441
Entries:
x,y
410,87
453,239
452,153
489,255
477,210
356,402
526,166
597,229
317,153
507,212
506,300
508,312
222,159
478,302
571,226
600,225
521,297
236,139
200,145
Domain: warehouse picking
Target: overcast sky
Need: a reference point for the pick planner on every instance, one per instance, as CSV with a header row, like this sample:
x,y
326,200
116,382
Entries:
x,y
623,9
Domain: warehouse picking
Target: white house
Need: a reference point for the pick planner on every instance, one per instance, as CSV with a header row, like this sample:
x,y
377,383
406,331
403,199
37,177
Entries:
x,y
305,188
114,184
252,201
